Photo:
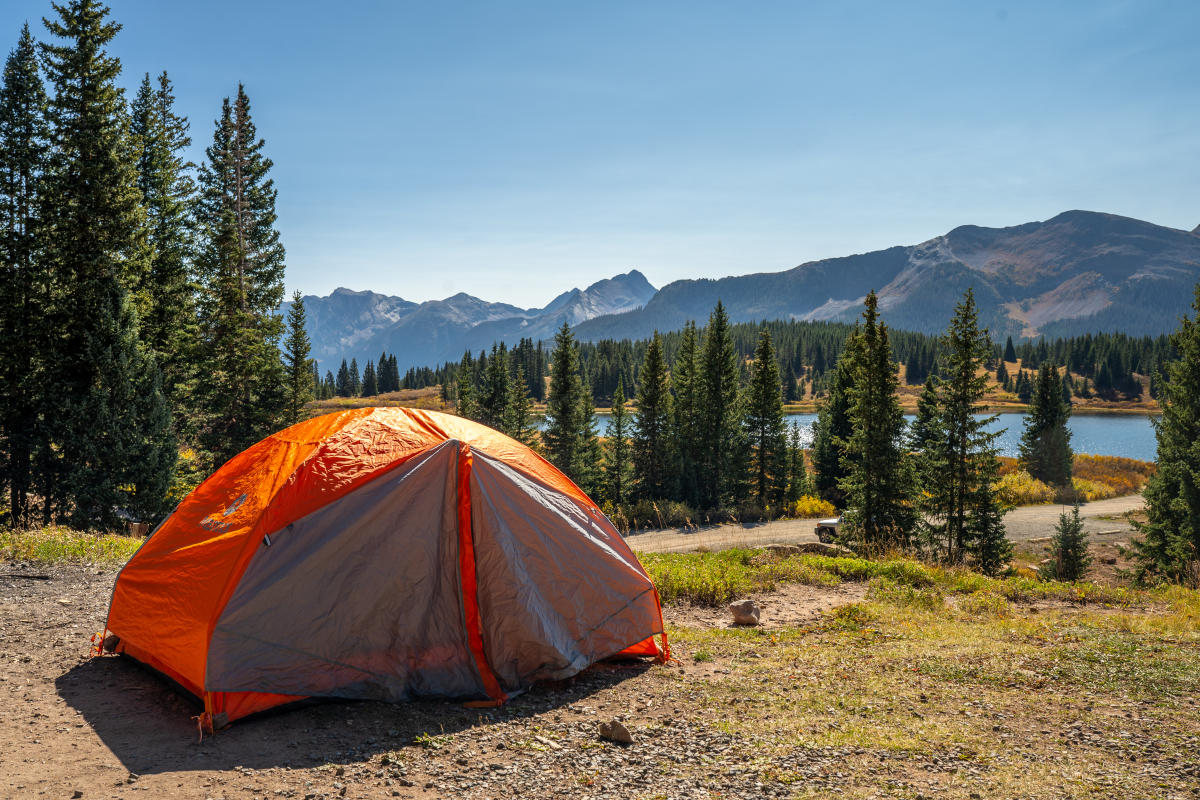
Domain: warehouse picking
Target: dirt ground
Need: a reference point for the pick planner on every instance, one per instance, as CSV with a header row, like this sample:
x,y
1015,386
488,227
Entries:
x,y
72,726
1101,518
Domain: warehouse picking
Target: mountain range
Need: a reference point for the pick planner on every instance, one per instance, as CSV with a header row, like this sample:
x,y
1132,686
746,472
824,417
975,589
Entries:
x,y
1078,272
349,324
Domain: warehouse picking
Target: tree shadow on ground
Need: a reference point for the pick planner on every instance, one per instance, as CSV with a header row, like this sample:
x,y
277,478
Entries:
x,y
148,722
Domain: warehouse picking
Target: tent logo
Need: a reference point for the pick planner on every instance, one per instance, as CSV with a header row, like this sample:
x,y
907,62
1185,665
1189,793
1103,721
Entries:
x,y
221,524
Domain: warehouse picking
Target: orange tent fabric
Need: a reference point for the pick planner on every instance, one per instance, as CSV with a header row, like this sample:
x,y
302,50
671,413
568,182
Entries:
x,y
381,553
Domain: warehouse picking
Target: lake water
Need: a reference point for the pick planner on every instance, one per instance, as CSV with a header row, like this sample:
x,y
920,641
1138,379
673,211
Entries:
x,y
1131,436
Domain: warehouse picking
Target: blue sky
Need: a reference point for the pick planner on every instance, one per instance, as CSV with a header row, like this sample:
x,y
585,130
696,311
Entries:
x,y
513,149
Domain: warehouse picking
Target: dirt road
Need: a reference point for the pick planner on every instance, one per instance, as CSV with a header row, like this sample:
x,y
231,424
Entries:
x,y
1102,518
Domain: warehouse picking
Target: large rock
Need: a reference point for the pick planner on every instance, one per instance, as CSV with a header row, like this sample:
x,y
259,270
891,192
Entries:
x,y
745,612
615,731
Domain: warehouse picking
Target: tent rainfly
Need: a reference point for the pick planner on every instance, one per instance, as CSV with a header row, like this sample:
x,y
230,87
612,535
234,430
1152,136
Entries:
x,y
381,553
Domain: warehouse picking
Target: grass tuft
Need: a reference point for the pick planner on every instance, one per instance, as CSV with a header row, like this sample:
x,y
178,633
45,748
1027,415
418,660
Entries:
x,y
63,545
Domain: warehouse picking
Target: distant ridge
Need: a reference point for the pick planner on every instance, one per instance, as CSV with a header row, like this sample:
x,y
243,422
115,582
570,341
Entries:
x,y
1081,271
362,324
1078,272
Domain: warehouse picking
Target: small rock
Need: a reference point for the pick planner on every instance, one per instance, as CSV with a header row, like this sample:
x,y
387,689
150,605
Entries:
x,y
1108,560
75,795
745,612
340,771
615,731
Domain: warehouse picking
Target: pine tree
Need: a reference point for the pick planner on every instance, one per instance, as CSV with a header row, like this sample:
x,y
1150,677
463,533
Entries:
x,y
24,149
833,425
1046,442
1170,545
879,513
685,380
789,384
297,366
370,383
564,432
765,427
393,373
960,465
799,483
109,421
355,379
1010,353
617,471
651,450
318,389
342,384
719,414
587,472
328,386
464,396
241,264
1069,557
494,393
518,419
1002,375
167,296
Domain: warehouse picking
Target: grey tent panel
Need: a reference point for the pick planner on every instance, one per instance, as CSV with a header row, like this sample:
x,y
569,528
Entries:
x,y
555,593
360,599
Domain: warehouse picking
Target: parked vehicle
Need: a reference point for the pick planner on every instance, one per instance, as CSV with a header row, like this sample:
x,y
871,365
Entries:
x,y
827,530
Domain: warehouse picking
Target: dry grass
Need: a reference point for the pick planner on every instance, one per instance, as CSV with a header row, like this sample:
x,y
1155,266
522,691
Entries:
x,y
63,545
428,398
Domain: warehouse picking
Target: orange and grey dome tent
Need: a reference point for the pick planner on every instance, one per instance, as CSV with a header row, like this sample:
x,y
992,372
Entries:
x,y
381,553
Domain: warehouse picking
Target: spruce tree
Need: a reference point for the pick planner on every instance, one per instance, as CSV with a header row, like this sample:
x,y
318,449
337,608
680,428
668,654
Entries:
x,y
1046,442
799,484
1069,557
789,384
651,450
589,457
833,425
370,383
878,487
685,380
1170,545
493,396
765,427
719,414
464,395
958,462
342,384
355,379
296,364
1002,375
617,472
518,418
564,432
24,338
107,417
1010,353
241,265
167,301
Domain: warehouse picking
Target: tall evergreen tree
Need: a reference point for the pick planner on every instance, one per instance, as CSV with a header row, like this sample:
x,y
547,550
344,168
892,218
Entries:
x,y
494,393
464,395
617,472
342,385
878,486
241,265
688,431
719,414
518,418
24,149
370,383
1170,545
109,421
833,425
564,435
799,483
1046,442
167,295
1010,353
960,462
765,427
651,450
296,364
355,379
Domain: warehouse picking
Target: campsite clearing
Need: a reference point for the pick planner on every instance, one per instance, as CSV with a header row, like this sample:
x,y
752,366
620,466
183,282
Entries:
x,y
879,689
